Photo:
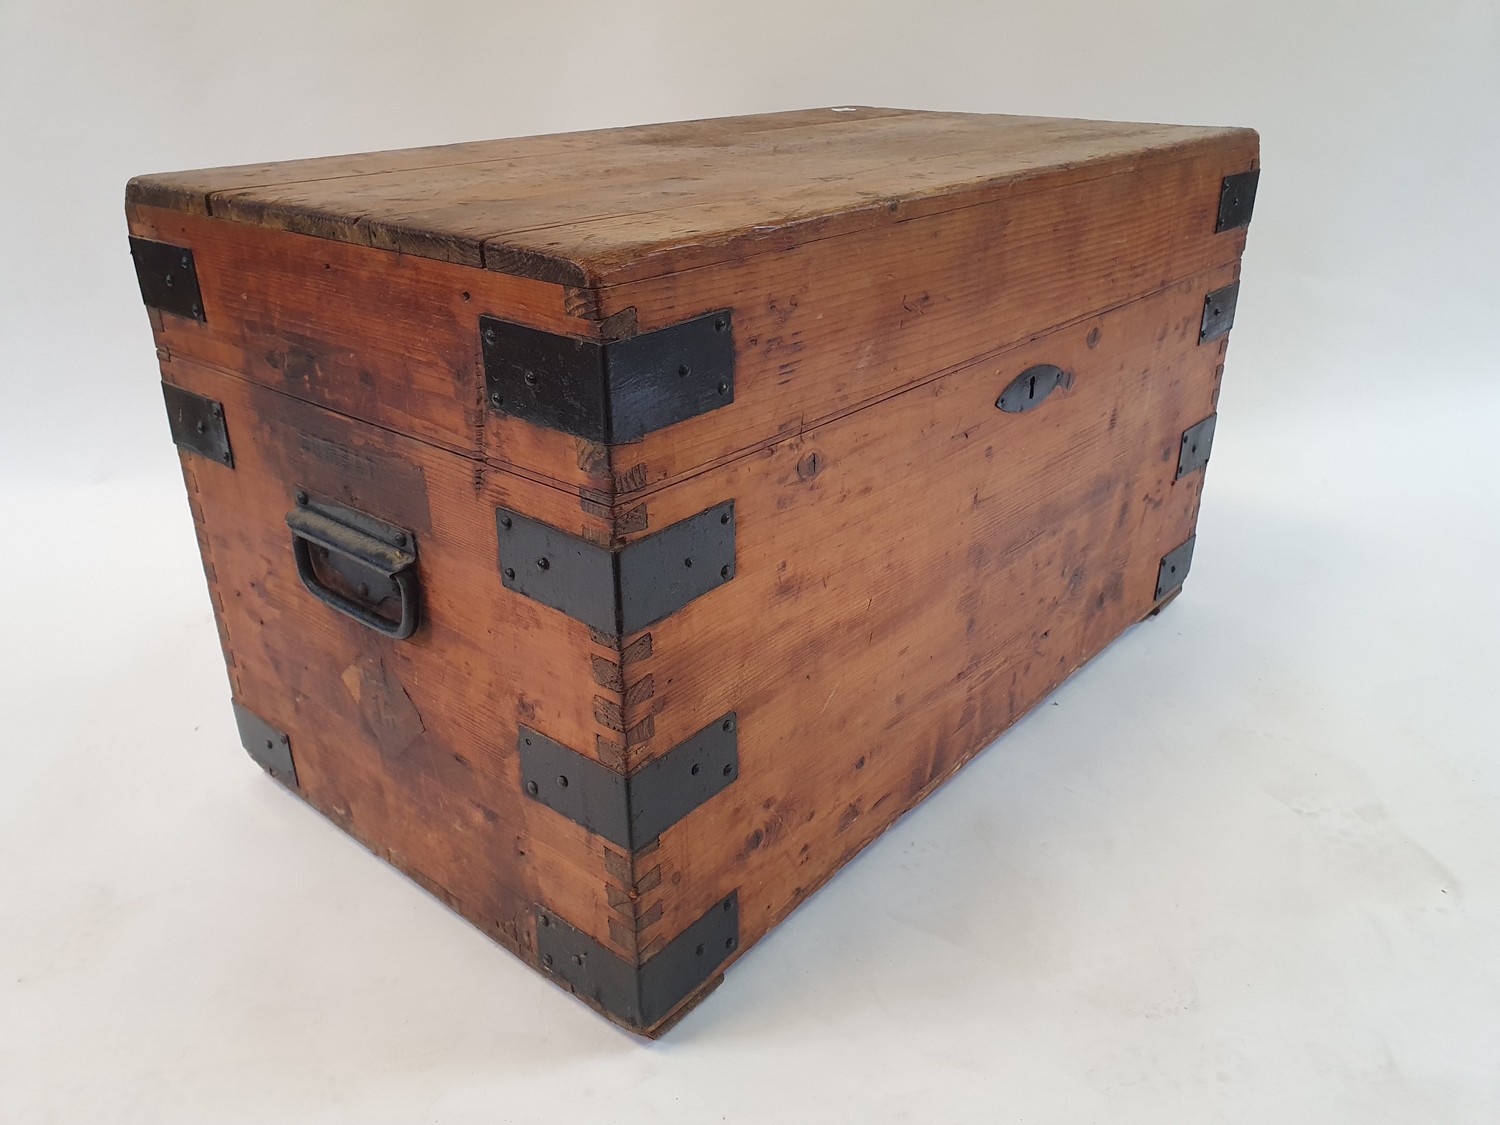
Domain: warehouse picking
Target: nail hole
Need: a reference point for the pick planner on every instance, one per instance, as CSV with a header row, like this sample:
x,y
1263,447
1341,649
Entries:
x,y
729,943
562,780
728,770
465,294
682,371
547,960
545,920
700,950
696,769
687,562
728,902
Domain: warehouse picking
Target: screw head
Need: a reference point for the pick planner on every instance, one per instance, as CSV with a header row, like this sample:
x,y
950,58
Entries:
x,y
301,497
201,427
724,572
505,522
728,724
489,335
400,538
168,280
562,781
723,388
530,378
543,563
531,787
510,572
497,399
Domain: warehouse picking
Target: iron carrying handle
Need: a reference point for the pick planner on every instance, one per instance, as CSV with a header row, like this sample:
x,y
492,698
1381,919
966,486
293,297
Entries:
x,y
357,544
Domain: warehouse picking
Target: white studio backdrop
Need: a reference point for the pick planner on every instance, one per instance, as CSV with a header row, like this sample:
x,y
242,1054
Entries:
x,y
1245,867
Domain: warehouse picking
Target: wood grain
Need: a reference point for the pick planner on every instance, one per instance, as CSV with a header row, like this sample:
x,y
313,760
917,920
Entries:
x,y
410,745
915,568
617,205
385,338
830,326
911,579
820,328
193,191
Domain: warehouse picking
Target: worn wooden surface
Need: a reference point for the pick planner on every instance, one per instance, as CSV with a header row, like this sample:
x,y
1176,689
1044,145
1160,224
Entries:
x,y
821,327
410,745
911,579
915,568
600,208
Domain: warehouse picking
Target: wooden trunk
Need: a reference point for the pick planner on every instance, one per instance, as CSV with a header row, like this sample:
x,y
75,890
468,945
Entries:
x,y
617,531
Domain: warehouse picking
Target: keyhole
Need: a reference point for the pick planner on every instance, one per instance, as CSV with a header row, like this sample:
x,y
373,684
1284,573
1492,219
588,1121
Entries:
x,y
1031,387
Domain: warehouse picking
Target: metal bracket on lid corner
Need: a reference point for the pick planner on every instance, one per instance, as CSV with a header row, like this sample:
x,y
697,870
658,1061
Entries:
x,y
630,810
618,590
611,391
270,748
639,995
168,277
1237,200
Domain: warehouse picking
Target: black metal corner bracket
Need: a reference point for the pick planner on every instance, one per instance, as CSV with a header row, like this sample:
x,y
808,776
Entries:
x,y
1174,568
270,748
197,424
1197,444
1218,312
613,391
1237,200
639,996
168,277
630,810
624,589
